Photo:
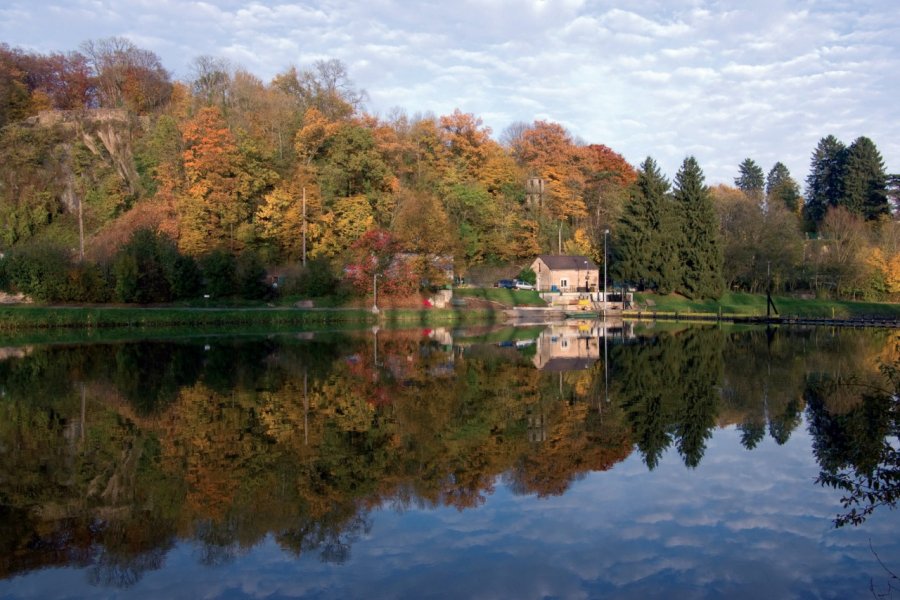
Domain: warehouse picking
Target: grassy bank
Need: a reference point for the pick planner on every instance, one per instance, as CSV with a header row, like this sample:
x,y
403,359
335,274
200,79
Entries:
x,y
733,304
19,318
501,296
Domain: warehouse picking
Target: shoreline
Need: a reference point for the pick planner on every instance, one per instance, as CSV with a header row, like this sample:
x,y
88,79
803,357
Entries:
x,y
17,318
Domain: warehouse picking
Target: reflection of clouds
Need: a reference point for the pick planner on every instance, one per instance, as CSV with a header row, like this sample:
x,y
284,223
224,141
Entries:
x,y
742,525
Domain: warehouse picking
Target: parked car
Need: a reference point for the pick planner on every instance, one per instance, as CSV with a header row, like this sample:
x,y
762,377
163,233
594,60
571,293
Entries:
x,y
522,285
509,284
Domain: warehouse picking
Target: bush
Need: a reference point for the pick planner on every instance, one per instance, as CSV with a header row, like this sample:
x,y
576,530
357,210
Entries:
x,y
138,268
528,276
250,276
39,270
317,279
219,268
149,268
87,283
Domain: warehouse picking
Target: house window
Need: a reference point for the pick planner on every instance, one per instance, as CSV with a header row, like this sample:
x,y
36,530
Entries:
x,y
563,283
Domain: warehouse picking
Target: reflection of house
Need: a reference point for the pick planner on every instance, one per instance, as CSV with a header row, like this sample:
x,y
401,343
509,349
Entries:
x,y
568,347
565,273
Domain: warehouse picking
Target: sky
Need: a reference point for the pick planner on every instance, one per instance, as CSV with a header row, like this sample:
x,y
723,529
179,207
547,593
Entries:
x,y
718,80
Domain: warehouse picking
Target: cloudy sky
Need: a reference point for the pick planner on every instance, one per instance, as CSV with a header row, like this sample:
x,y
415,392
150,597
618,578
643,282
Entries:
x,y
719,80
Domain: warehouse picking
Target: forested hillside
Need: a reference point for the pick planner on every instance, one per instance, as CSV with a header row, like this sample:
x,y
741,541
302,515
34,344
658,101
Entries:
x,y
119,183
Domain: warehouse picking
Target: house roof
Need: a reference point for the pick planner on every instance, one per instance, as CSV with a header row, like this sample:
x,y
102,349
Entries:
x,y
567,262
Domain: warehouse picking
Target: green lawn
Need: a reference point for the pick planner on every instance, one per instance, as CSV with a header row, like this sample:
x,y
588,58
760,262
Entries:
x,y
502,296
735,304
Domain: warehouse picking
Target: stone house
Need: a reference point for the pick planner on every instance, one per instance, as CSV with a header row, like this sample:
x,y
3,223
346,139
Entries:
x,y
566,273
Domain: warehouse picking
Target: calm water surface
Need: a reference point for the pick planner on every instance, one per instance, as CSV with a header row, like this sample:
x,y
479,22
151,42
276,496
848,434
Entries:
x,y
576,461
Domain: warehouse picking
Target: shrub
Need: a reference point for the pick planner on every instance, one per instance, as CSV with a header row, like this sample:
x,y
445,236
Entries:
x,y
317,279
219,268
38,270
528,276
250,275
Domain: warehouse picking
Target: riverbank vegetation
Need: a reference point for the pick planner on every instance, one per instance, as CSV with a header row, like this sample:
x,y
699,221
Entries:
x,y
119,184
743,304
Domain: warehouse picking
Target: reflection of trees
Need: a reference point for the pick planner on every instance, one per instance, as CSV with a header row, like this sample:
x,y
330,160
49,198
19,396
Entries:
x,y
765,371
302,439
332,538
858,448
669,389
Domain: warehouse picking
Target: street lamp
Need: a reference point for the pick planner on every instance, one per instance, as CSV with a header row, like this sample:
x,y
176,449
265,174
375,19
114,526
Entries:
x,y
605,237
587,278
375,290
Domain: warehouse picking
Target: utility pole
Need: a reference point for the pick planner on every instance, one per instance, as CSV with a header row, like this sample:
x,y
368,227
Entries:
x,y
605,236
304,226
80,230
375,290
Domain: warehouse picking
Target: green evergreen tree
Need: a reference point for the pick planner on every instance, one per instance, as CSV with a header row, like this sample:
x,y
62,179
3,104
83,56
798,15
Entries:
x,y
644,244
892,190
750,180
782,189
825,182
865,182
699,246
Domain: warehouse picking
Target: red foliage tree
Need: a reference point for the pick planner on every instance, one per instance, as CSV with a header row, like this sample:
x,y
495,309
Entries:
x,y
376,252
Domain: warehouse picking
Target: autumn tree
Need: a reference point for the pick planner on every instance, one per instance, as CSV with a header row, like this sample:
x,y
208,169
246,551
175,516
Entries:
x,y
698,242
211,80
759,246
127,76
352,166
422,228
843,264
326,86
344,222
219,201
291,214
376,253
548,151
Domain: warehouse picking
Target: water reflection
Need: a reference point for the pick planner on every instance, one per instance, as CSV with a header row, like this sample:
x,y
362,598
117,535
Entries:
x,y
112,453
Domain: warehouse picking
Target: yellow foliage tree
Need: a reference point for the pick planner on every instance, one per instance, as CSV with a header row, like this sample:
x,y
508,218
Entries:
x,y
344,224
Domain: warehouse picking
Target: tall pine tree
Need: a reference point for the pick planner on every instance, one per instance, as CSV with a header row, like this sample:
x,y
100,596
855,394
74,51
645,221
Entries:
x,y
782,189
645,241
865,182
699,249
750,179
825,182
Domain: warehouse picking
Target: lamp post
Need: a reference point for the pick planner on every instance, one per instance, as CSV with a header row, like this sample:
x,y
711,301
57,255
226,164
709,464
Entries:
x,y
587,277
375,290
605,236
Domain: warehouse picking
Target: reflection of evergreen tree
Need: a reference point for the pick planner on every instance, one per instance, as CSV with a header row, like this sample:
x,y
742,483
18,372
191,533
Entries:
x,y
642,372
653,429
669,385
781,425
701,373
857,450
752,433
